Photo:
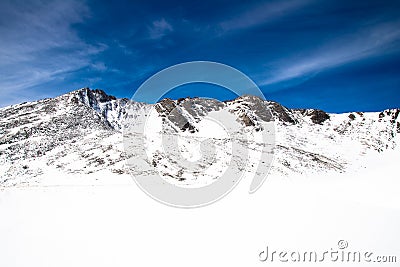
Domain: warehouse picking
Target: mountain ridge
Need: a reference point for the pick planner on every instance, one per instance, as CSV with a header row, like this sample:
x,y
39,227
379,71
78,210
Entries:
x,y
79,133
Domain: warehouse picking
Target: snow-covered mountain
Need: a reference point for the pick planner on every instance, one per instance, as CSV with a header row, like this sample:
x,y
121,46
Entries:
x,y
79,135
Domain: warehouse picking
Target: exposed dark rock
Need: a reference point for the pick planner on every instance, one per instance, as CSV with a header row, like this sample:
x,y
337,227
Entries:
x,y
396,114
352,116
259,107
168,109
94,96
117,171
165,106
189,127
104,104
282,113
74,100
196,107
199,107
319,116
246,120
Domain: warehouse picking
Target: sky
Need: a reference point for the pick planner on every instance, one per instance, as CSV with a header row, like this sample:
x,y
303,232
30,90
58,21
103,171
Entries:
x,y
333,55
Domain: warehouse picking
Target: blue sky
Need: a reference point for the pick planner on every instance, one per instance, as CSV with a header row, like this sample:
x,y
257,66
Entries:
x,y
334,55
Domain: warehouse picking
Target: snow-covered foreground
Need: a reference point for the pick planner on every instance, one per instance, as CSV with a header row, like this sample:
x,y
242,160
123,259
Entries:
x,y
116,224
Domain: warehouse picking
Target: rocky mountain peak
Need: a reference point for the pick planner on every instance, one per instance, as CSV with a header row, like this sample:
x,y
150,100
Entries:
x,y
92,97
112,109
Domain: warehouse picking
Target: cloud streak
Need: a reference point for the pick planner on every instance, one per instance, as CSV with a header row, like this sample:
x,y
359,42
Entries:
x,y
159,29
39,44
262,14
357,46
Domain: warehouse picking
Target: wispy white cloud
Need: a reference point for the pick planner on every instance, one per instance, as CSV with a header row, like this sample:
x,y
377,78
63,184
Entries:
x,y
100,66
369,42
262,14
159,28
39,44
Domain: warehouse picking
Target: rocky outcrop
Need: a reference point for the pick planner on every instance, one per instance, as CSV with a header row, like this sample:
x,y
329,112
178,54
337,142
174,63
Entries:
x,y
171,112
316,116
282,113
